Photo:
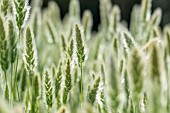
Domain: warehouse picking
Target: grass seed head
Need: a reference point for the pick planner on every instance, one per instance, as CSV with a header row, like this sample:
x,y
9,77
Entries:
x,y
58,79
135,68
80,44
146,10
74,9
30,55
154,63
5,6
93,91
3,45
12,41
68,82
21,9
87,22
47,89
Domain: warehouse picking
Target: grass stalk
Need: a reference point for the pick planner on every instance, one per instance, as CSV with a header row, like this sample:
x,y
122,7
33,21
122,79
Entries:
x,y
81,86
16,67
5,77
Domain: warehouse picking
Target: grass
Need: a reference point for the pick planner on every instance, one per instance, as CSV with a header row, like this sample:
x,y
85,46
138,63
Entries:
x,y
49,65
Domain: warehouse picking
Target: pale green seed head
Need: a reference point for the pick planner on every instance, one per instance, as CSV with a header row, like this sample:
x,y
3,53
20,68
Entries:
x,y
30,53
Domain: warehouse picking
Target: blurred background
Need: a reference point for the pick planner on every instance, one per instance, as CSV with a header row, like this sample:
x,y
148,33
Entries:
x,y
125,6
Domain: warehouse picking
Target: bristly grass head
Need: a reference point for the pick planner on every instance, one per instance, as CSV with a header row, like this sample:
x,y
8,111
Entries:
x,y
146,10
167,39
3,45
128,42
154,69
87,22
58,79
12,41
156,17
80,44
74,9
93,91
136,73
30,55
5,6
21,9
47,89
36,21
68,81
71,49
115,18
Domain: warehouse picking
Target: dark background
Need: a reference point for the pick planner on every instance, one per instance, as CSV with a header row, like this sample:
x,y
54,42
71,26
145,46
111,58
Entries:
x,y
125,6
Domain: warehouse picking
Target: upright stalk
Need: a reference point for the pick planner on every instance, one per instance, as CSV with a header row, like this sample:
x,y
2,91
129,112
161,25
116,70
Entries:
x,y
16,68
81,86
11,76
11,82
29,89
168,99
5,77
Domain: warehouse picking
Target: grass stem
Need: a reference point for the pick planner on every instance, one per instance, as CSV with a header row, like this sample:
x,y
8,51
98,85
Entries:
x,y
81,86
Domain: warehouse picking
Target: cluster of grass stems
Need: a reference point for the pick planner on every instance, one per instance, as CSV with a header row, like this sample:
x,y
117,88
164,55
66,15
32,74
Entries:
x,y
49,65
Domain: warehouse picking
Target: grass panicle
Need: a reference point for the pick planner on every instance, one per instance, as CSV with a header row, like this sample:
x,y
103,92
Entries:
x,y
128,42
135,20
54,13
80,44
3,45
68,82
115,18
167,39
113,87
30,54
154,70
12,41
58,79
93,91
105,8
47,90
21,9
71,49
156,17
146,10
81,54
87,24
5,6
36,21
74,9
136,73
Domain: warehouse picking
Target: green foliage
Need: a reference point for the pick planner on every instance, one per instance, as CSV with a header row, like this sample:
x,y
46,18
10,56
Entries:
x,y
129,66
